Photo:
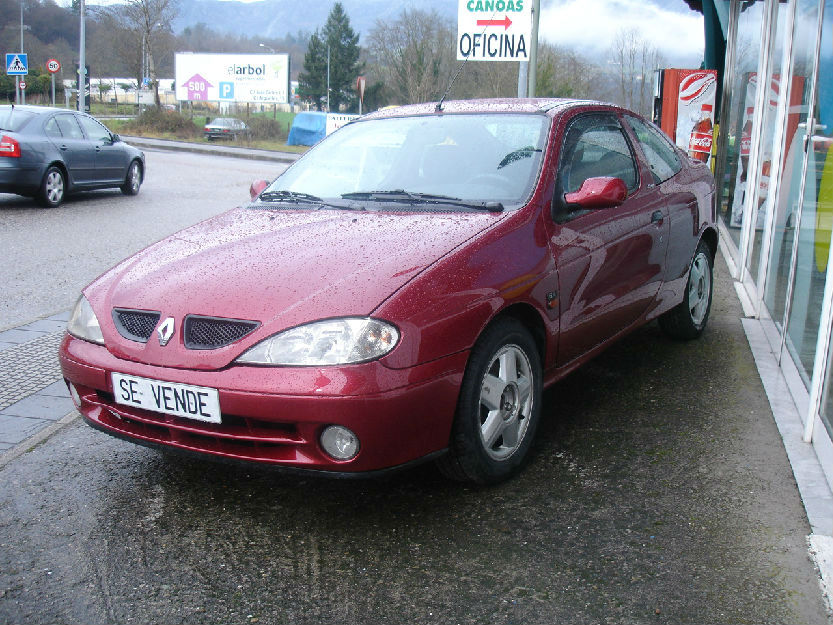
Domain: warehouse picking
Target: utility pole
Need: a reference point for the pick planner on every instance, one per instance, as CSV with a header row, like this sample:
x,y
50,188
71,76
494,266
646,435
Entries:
x,y
533,49
82,65
328,77
527,70
20,93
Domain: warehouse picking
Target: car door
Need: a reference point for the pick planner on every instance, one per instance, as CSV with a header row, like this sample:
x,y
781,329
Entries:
x,y
110,157
77,153
663,162
610,260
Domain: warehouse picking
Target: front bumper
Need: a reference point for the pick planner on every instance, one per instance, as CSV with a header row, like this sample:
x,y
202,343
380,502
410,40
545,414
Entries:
x,y
275,415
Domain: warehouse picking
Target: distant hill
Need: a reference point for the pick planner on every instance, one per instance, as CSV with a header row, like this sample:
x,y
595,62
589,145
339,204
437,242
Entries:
x,y
278,18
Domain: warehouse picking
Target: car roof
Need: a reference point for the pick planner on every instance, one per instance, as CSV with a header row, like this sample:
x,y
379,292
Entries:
x,y
548,106
37,110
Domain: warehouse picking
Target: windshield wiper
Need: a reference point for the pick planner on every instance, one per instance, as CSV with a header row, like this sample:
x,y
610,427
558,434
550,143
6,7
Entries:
x,y
412,197
297,197
290,196
517,155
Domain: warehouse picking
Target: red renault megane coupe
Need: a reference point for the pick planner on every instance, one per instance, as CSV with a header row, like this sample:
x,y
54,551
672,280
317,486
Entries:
x,y
403,292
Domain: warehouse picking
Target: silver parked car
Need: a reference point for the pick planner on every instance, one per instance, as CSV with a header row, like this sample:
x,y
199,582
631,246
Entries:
x,y
225,128
47,153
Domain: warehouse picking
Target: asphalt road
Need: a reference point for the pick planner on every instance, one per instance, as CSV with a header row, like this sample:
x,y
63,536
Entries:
x,y
658,492
49,255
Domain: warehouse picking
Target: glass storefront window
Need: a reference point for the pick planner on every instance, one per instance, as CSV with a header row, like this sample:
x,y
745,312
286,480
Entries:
x,y
738,125
774,84
822,176
787,209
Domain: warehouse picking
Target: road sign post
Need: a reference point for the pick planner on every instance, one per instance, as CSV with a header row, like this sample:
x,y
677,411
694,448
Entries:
x,y
361,81
17,65
53,66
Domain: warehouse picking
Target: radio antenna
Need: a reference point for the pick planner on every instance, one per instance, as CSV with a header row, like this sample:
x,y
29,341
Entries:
x,y
439,107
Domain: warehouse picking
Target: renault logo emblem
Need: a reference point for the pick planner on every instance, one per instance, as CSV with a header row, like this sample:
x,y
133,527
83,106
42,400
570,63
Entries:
x,y
166,331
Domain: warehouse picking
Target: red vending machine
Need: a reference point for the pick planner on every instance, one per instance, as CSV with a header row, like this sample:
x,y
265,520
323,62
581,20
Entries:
x,y
684,108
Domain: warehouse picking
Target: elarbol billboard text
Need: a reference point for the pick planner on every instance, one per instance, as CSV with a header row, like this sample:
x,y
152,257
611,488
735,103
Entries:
x,y
260,78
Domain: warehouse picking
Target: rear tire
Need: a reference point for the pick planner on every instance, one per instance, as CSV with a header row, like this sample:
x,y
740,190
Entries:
x,y
499,407
52,188
133,180
688,319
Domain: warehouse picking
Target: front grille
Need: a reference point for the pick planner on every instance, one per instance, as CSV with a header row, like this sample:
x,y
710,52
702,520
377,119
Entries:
x,y
215,332
135,325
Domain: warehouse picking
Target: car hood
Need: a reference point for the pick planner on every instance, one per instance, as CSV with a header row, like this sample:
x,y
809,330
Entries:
x,y
278,268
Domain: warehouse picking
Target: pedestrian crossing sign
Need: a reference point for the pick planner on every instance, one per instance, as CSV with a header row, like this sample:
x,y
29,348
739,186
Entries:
x,y
17,64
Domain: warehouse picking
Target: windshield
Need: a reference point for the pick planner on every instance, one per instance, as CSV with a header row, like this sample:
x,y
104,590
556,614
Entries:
x,y
474,158
14,119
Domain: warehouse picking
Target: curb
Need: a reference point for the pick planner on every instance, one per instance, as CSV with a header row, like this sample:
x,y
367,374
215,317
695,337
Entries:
x,y
231,151
37,438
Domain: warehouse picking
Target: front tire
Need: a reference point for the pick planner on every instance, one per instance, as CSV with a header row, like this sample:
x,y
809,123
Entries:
x,y
499,407
52,188
133,180
687,320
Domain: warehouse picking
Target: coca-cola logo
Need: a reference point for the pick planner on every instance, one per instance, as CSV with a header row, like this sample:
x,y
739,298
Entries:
x,y
745,144
702,141
694,85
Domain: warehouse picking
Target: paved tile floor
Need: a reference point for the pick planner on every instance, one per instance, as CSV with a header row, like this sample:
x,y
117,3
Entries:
x,y
32,393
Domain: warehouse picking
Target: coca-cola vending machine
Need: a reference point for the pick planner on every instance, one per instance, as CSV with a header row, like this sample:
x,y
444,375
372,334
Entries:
x,y
684,108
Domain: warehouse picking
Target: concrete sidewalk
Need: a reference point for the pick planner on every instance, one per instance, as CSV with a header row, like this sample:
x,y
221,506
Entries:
x,y
33,396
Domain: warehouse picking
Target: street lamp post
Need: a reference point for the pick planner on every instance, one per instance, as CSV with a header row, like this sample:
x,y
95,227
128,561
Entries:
x,y
274,104
82,64
328,77
20,93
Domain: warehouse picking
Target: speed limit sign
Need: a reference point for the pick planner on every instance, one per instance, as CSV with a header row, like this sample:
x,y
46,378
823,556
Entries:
x,y
52,66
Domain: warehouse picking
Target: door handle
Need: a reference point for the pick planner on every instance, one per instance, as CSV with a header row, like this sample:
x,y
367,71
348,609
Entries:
x,y
98,148
63,147
656,217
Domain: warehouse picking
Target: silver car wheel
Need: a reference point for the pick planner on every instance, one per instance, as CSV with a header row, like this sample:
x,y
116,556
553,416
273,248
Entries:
x,y
506,402
133,177
54,187
699,288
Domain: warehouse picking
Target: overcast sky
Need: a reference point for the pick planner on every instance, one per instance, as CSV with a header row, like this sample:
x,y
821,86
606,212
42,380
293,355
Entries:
x,y
669,24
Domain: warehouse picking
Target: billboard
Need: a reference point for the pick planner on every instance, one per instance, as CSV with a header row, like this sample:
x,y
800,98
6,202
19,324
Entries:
x,y
256,78
494,30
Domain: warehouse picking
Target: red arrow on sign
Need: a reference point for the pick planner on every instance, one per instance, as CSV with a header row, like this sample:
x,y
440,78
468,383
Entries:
x,y
505,22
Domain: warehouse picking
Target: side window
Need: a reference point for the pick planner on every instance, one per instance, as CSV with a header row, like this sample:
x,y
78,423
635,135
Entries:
x,y
52,130
595,146
69,127
95,131
661,156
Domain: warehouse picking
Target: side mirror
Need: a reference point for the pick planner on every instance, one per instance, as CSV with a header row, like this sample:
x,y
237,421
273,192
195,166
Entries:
x,y
257,188
602,192
114,138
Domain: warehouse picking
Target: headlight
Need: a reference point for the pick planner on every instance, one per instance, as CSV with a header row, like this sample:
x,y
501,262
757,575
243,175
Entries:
x,y
83,323
330,342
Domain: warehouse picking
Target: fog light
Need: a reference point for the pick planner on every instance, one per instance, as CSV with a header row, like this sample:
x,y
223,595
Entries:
x,y
339,442
73,392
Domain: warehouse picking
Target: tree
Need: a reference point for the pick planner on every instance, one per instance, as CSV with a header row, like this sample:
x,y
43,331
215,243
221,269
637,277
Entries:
x,y
635,60
151,21
564,74
312,83
342,42
414,55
